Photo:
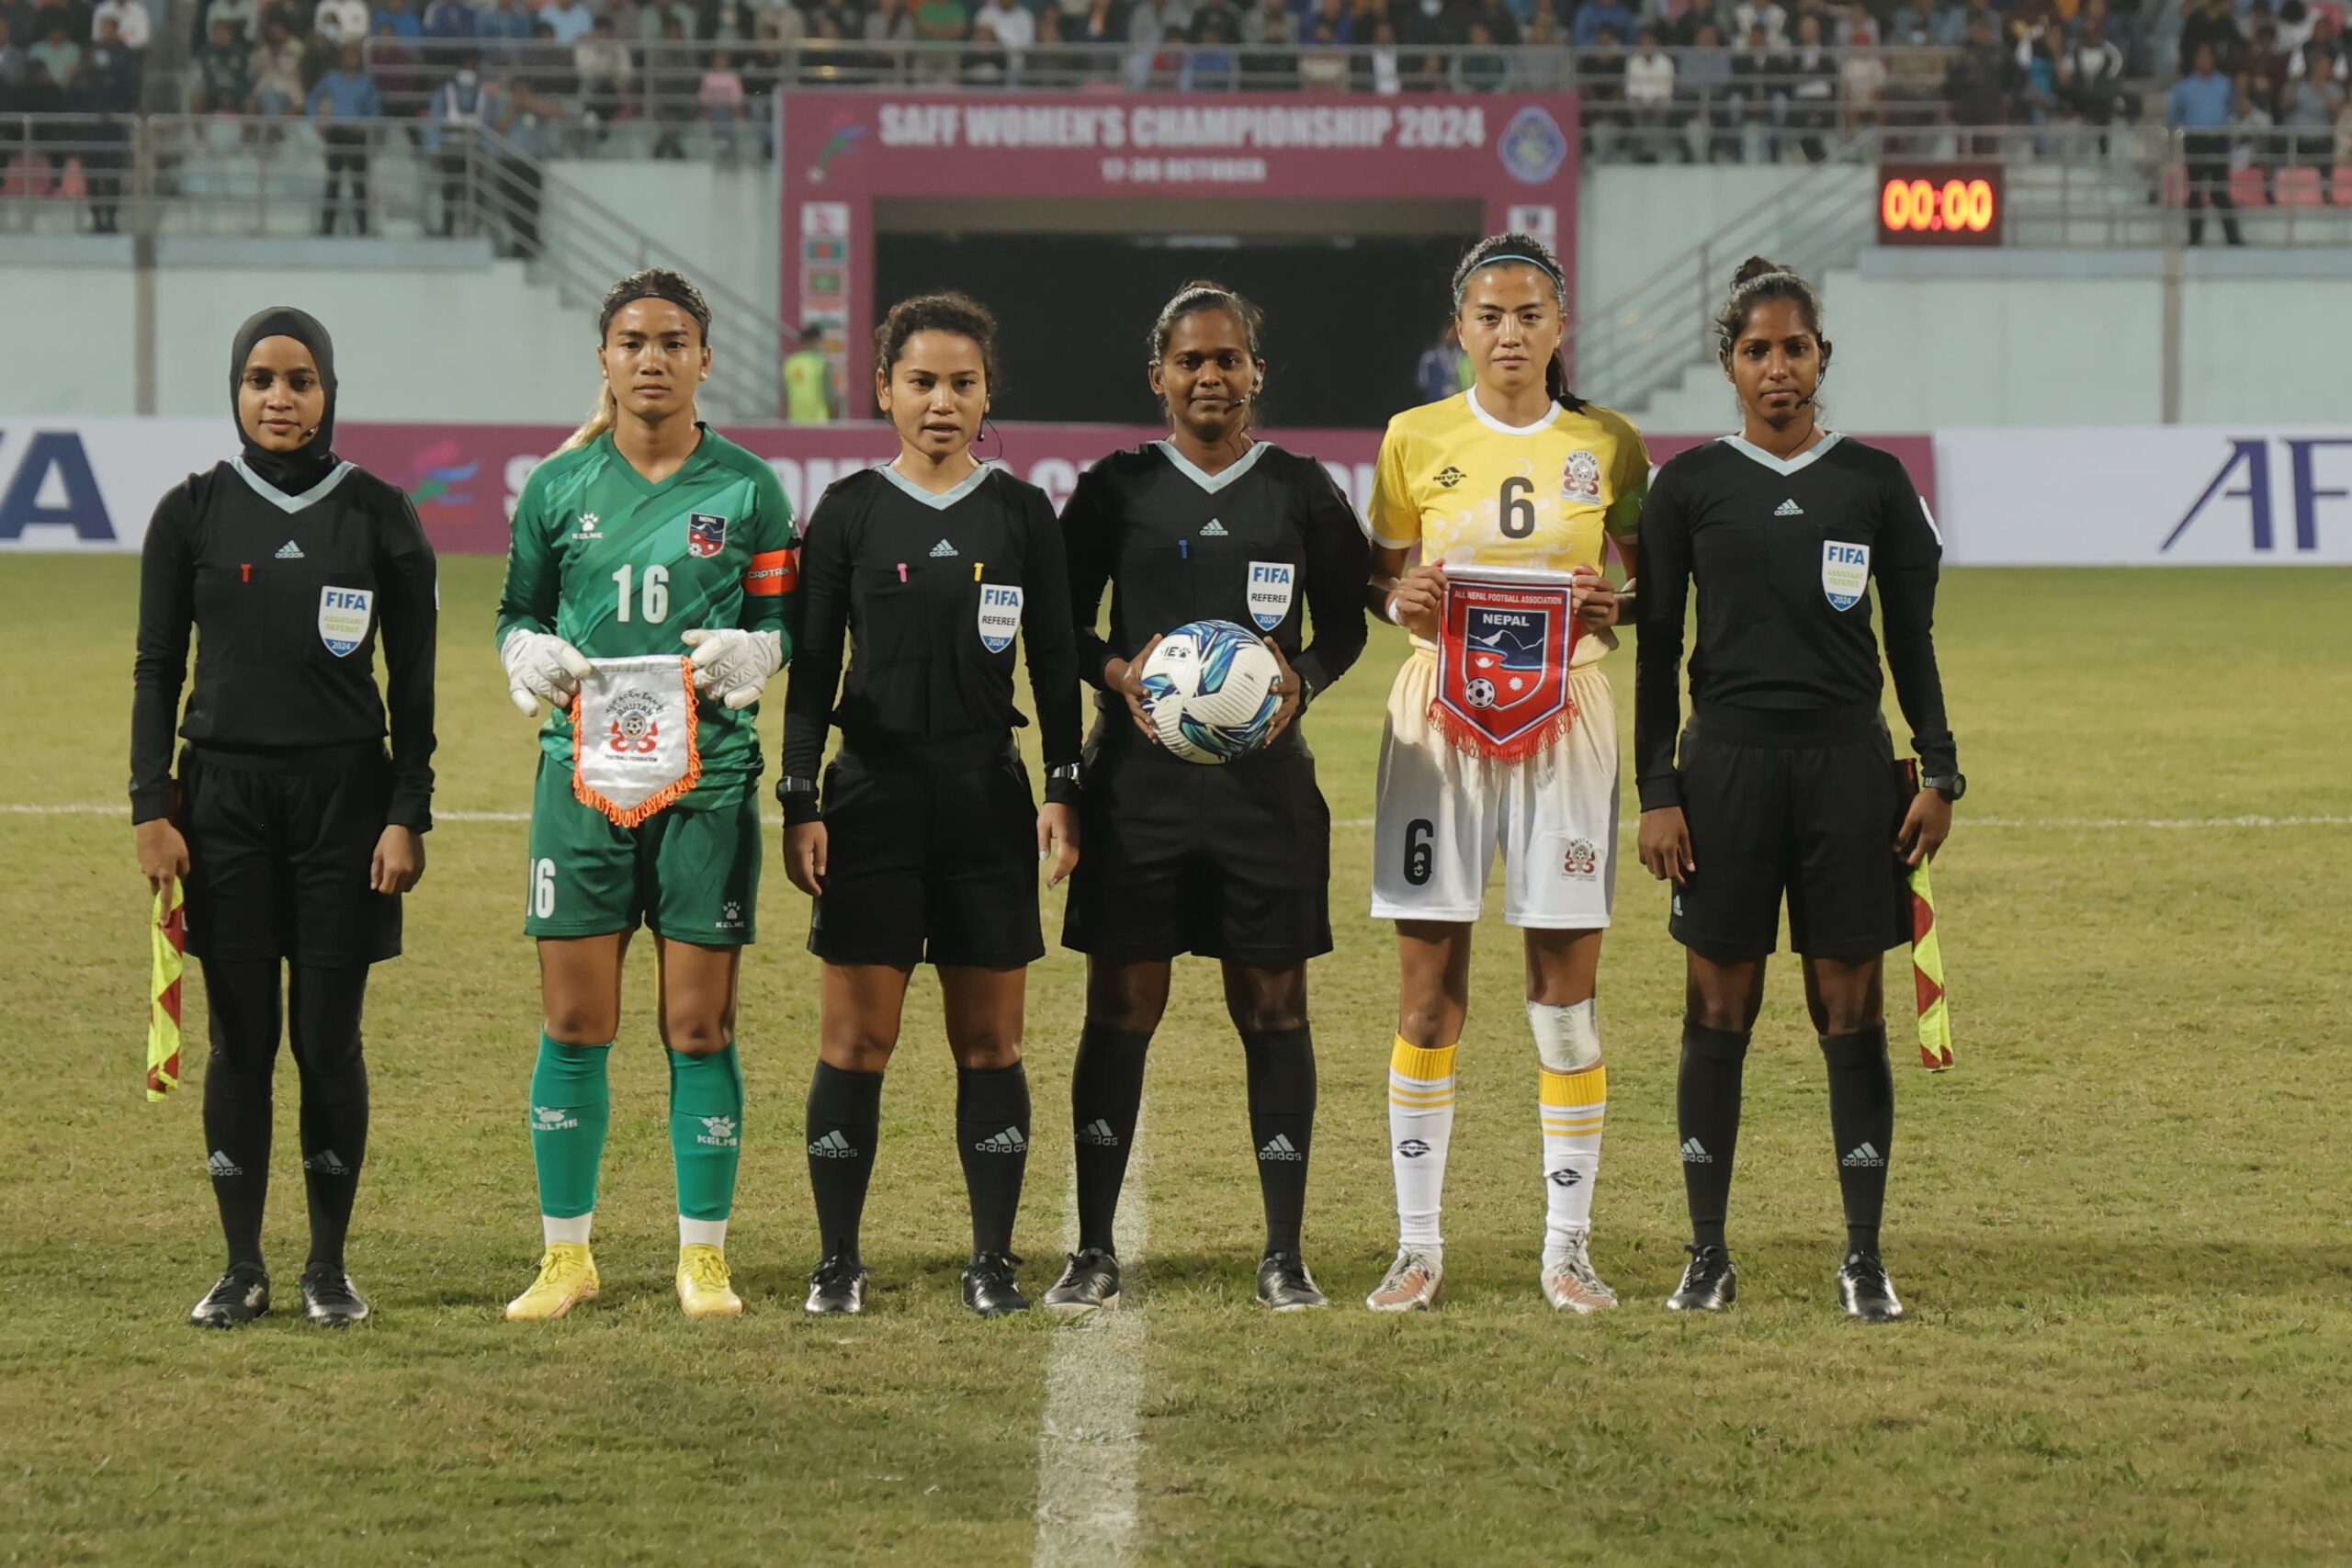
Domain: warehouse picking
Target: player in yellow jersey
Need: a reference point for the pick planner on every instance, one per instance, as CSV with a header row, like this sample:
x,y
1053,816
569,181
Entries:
x,y
1508,494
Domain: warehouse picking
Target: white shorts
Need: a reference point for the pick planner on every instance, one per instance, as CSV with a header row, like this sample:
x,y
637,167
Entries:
x,y
1442,812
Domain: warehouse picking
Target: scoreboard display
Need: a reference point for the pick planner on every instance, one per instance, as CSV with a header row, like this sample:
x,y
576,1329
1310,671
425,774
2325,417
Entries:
x,y
1940,204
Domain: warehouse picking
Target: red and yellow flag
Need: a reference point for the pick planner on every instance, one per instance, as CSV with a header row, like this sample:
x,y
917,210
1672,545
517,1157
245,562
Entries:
x,y
167,942
1928,975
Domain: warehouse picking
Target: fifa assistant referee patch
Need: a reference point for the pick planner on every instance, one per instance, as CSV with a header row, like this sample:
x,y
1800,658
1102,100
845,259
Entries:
x,y
343,618
1845,573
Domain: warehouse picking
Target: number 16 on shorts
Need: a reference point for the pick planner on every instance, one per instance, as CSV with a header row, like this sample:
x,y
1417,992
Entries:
x,y
542,894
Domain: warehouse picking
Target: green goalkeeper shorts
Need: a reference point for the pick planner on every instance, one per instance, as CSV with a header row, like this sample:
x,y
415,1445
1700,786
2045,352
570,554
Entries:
x,y
690,870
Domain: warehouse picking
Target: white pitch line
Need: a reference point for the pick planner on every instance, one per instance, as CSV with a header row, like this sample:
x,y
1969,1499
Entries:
x,y
1092,1436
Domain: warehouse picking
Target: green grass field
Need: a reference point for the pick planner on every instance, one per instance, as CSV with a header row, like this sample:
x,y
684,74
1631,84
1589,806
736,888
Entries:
x,y
2120,1224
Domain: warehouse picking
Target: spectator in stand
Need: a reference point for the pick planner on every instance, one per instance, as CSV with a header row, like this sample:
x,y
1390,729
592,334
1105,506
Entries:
x,y
391,66
224,73
891,25
604,69
503,27
401,17
567,19
343,96
676,87
2211,26
1675,22
1215,27
110,83
1862,76
1649,98
1364,18
1600,79
1014,28
1502,26
2203,107
277,66
450,22
1594,16
244,16
808,396
1755,94
1323,38
985,63
132,26
1812,92
340,21
937,24
1273,30
1481,67
1437,374
655,16
2324,53
2267,69
1749,15
2308,108
1976,84
1913,26
2034,72
1705,80
1150,24
2093,76
462,106
1540,64
59,55
1422,26
722,99
1104,22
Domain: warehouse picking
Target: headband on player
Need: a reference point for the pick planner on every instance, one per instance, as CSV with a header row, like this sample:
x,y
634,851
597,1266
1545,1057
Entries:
x,y
1559,285
655,291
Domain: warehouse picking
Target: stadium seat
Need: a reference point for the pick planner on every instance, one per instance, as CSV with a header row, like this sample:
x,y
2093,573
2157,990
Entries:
x,y
27,177
2344,185
2299,187
71,185
2247,188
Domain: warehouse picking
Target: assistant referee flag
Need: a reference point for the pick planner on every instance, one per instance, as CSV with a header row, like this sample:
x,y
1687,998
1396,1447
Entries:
x,y
168,941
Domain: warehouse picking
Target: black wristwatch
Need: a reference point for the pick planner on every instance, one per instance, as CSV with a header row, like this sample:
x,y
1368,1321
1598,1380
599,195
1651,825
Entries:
x,y
798,798
1951,787
1067,774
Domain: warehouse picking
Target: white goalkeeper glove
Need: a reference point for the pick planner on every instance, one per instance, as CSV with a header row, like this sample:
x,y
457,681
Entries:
x,y
734,665
541,668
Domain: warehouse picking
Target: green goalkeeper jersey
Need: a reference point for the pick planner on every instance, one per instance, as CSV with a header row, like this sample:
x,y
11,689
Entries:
x,y
619,566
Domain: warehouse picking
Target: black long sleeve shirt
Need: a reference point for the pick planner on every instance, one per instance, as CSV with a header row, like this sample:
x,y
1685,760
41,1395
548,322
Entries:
x,y
291,598
1269,543
930,592
1783,553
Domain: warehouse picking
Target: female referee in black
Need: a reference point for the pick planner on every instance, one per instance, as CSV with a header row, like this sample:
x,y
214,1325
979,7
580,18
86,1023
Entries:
x,y
1785,781
1232,863
923,843
294,827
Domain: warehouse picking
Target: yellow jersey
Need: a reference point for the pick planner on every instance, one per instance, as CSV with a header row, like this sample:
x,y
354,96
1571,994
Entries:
x,y
1470,489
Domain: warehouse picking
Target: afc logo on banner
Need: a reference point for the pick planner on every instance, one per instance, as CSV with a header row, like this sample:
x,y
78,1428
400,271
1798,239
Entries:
x,y
2248,466
51,484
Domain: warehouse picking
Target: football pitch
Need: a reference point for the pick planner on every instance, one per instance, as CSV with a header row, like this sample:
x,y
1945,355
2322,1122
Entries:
x,y
2120,1224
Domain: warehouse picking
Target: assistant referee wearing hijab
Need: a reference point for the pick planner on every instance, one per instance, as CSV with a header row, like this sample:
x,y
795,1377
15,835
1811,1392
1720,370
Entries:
x,y
294,825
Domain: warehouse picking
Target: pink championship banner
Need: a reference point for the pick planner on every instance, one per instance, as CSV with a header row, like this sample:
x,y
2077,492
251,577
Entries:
x,y
91,484
1512,154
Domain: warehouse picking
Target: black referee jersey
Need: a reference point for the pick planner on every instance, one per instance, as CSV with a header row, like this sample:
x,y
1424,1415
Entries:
x,y
1268,543
291,598
931,591
1783,552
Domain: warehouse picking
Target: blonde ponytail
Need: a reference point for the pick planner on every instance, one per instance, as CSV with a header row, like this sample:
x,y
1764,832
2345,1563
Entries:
x,y
608,408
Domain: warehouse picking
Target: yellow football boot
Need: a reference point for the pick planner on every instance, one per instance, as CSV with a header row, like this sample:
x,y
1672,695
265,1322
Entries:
x,y
703,1288
567,1278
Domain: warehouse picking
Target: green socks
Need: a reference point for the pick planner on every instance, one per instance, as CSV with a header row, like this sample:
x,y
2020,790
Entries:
x,y
706,1141
571,1106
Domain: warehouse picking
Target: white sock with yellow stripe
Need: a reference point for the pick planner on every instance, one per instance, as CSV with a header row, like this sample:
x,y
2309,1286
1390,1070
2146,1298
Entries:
x,y
1572,1105
1420,1125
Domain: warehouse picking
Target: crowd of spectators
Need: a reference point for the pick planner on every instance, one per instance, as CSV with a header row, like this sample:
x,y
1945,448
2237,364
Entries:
x,y
70,57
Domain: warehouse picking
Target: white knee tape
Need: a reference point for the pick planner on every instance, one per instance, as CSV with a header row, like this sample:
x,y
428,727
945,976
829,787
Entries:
x,y
1567,1039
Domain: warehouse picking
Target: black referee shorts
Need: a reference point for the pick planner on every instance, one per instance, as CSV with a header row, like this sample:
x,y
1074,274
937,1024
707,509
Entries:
x,y
1803,803
930,860
1230,860
281,846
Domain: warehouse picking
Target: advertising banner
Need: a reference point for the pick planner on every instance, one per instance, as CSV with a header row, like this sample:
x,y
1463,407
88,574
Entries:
x,y
2151,495
1514,155
92,484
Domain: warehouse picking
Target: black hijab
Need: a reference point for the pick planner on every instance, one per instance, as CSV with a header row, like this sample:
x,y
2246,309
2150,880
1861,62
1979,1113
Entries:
x,y
291,472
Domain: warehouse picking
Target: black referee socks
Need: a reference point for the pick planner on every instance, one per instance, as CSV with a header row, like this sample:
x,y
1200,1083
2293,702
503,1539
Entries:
x,y
992,1136
1105,1101
1706,1118
844,1123
325,1011
1282,1126
1861,1119
242,1019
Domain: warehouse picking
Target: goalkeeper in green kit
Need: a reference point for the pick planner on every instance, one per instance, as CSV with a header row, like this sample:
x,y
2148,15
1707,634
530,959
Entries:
x,y
648,600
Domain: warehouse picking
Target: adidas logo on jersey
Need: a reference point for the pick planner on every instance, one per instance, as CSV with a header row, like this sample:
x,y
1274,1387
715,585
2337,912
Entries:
x,y
326,1162
1863,1154
942,550
1098,1133
1279,1146
1695,1153
1009,1142
832,1146
221,1164
289,550
1788,508
1215,530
